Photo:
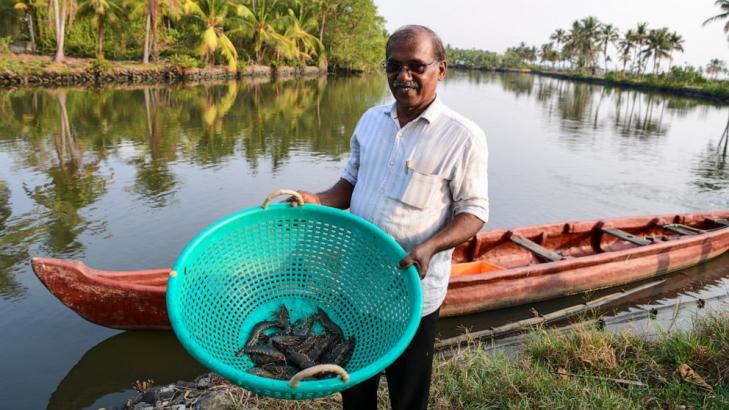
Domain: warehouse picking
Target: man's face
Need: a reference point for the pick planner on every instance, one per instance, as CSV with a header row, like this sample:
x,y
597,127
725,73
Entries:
x,y
413,90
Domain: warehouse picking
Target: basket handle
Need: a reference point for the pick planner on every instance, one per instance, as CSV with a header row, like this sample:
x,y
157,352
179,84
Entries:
x,y
280,192
320,368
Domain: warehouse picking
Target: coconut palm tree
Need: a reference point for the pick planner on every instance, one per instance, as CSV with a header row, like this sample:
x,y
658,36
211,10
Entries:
x,y
675,42
260,27
715,67
607,35
626,45
211,15
299,26
657,46
102,12
559,36
641,36
583,41
724,6
62,13
27,7
152,10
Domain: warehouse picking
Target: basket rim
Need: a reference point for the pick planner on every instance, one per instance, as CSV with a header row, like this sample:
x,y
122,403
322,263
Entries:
x,y
310,388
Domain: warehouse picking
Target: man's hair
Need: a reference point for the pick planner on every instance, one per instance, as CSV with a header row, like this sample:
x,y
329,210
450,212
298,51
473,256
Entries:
x,y
412,31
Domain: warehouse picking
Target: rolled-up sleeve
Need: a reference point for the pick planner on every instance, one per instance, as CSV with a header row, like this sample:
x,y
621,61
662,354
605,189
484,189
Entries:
x,y
352,168
469,185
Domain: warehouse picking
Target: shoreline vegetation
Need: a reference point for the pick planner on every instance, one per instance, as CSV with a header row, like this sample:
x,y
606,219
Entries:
x,y
585,367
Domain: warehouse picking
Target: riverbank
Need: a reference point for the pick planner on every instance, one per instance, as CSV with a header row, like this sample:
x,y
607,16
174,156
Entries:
x,y
583,368
704,89
18,70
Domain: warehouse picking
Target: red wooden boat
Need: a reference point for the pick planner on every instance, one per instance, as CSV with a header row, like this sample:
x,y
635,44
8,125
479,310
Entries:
x,y
495,269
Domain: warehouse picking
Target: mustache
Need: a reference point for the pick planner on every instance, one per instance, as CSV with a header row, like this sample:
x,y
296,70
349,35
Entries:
x,y
405,84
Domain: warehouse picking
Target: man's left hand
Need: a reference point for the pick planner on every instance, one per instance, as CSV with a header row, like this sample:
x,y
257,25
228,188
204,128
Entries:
x,y
420,257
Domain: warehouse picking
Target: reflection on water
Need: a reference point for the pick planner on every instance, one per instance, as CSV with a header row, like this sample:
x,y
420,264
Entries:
x,y
124,177
154,355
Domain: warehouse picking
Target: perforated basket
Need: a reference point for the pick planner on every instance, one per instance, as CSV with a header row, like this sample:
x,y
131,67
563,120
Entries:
x,y
238,272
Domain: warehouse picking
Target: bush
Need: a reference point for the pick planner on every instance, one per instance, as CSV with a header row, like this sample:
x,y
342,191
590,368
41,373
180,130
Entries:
x,y
100,65
182,62
4,45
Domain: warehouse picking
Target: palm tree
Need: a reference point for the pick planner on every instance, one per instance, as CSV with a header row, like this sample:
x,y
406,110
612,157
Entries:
x,y
299,28
724,6
582,41
641,36
62,12
152,10
626,45
211,14
559,36
260,28
101,12
27,7
657,46
715,67
608,34
675,42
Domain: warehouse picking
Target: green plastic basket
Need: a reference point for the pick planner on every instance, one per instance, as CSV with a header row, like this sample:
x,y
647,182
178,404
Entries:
x,y
239,271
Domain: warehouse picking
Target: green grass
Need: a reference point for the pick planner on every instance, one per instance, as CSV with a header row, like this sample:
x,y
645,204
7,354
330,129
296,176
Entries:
x,y
573,370
585,368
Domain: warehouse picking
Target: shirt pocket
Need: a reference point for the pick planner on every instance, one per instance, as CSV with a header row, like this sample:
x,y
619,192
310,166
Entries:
x,y
416,188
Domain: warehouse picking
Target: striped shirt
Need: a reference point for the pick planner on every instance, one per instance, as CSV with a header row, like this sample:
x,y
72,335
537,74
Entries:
x,y
411,181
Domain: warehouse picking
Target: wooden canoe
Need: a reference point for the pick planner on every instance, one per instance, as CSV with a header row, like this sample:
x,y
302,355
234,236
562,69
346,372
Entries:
x,y
495,269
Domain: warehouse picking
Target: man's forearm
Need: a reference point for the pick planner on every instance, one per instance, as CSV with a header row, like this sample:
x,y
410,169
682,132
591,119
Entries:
x,y
459,230
338,196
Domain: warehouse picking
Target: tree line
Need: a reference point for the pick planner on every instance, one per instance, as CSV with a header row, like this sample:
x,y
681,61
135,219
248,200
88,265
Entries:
x,y
344,34
589,45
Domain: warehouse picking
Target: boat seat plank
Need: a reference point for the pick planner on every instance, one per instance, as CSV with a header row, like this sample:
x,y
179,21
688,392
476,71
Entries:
x,y
722,222
628,237
540,251
682,229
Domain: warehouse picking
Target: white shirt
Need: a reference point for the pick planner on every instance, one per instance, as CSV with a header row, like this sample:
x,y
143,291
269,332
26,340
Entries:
x,y
411,181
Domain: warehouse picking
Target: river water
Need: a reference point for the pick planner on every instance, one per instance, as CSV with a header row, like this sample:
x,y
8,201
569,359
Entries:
x,y
122,178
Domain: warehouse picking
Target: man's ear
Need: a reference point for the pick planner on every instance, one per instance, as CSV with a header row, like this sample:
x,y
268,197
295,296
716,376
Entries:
x,y
442,68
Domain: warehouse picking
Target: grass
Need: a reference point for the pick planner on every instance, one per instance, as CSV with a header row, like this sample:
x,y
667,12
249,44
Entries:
x,y
586,368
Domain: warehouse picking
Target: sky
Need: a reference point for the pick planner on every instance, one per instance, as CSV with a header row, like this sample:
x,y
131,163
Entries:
x,y
497,25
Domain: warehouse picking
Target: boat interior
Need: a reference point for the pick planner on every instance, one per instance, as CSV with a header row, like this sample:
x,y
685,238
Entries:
x,y
508,249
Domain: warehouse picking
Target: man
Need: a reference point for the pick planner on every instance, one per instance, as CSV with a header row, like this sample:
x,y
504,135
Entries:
x,y
418,171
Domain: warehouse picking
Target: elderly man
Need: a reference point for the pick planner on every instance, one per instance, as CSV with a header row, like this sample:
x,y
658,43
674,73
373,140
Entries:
x,y
418,171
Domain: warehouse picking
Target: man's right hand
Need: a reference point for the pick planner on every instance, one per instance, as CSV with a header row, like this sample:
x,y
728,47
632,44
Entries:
x,y
308,197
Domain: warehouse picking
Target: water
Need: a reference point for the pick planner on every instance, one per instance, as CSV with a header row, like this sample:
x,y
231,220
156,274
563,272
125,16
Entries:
x,y
123,178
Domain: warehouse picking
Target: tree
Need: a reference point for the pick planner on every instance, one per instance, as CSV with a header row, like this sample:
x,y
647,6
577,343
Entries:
x,y
582,41
299,28
607,35
152,10
211,15
559,36
626,45
27,7
260,28
675,42
102,12
62,12
724,6
657,46
547,53
715,67
641,37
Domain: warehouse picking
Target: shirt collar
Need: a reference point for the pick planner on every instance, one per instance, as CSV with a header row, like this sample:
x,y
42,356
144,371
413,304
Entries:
x,y
430,114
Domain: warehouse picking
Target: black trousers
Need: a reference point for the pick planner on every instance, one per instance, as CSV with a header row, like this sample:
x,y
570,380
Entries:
x,y
408,378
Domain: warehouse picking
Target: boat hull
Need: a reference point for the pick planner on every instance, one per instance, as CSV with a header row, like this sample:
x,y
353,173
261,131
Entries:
x,y
489,271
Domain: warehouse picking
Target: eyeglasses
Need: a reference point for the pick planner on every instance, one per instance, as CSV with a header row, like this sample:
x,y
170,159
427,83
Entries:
x,y
414,67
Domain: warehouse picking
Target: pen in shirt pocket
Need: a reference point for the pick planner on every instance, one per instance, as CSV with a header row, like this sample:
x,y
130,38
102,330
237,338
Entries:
x,y
408,165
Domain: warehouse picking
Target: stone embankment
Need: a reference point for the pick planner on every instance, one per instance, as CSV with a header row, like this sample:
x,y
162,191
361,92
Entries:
x,y
147,75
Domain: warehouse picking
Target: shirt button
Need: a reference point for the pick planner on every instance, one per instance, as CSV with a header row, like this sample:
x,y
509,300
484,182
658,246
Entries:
x,y
392,163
